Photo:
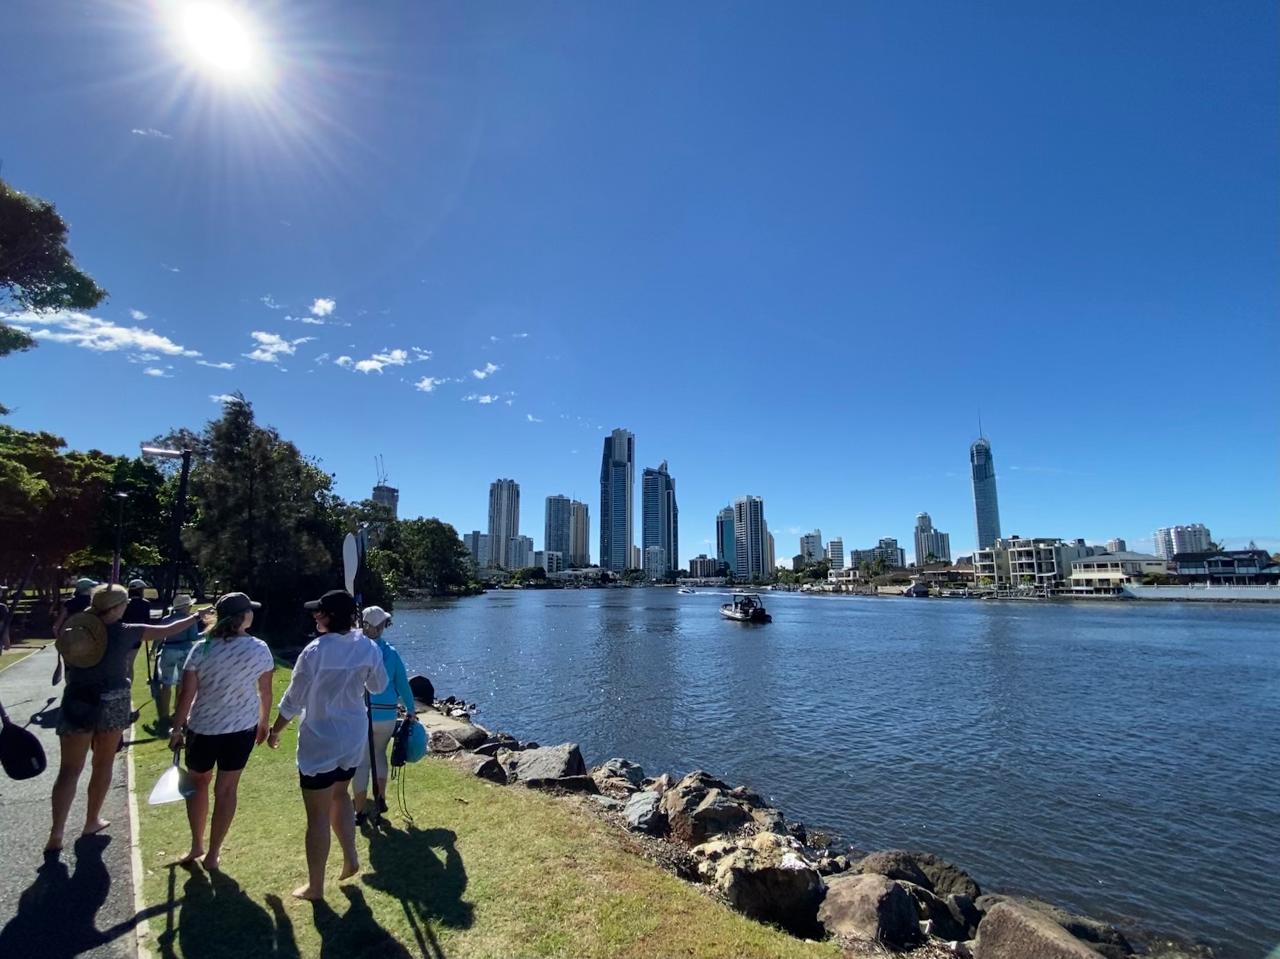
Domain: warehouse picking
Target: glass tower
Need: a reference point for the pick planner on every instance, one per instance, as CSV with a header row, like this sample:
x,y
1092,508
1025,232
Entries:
x,y
617,477
986,506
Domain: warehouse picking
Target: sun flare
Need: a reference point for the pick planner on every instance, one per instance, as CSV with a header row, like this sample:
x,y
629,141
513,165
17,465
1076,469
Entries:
x,y
219,40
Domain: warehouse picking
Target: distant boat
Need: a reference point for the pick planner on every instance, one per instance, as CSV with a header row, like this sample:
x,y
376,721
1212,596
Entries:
x,y
745,608
687,590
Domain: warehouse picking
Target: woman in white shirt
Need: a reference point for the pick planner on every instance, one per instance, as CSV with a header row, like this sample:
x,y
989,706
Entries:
x,y
328,687
222,711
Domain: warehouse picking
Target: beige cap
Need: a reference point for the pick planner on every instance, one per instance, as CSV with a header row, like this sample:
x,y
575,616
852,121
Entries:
x,y
375,616
108,597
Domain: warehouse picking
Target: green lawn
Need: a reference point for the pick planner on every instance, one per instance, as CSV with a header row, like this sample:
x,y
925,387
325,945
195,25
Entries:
x,y
483,871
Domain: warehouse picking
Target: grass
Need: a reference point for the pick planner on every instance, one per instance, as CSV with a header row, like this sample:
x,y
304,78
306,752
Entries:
x,y
20,650
484,871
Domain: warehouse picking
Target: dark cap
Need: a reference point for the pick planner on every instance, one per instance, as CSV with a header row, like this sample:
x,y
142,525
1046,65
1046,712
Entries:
x,y
233,604
335,601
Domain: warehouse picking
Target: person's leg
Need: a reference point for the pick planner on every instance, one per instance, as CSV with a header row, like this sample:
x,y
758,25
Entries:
x,y
104,758
74,749
197,811
162,704
360,786
343,816
317,803
382,733
224,810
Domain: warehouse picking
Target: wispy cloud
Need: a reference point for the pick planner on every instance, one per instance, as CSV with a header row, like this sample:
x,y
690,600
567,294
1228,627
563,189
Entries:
x,y
531,418
267,301
519,336
221,398
171,269
137,315
94,333
322,358
489,370
484,399
156,371
428,384
271,346
151,132
216,366
323,306
380,361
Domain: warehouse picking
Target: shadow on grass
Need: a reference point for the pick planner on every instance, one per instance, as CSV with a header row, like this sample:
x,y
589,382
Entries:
x,y
214,918
421,868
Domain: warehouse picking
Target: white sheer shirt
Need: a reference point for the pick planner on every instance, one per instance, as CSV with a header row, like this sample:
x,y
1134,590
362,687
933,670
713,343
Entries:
x,y
328,686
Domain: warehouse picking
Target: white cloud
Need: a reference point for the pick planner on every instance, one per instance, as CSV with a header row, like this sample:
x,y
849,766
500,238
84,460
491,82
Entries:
x,y
489,370
420,353
224,398
272,346
94,333
309,320
269,302
151,132
519,336
156,371
323,306
344,361
492,338
380,361
484,399
531,418
321,358
428,384
171,269
137,315
216,366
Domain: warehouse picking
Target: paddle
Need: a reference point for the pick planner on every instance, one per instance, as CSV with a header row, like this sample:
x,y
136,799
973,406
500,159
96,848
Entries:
x,y
350,566
173,786
21,754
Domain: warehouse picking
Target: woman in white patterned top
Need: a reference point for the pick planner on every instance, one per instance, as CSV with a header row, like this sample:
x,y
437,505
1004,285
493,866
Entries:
x,y
221,715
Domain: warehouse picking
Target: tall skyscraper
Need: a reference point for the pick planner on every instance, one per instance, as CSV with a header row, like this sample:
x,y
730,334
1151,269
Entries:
x,y
520,552
750,539
835,553
558,529
389,497
931,542
1117,545
1170,541
725,538
986,507
504,521
579,554
811,546
660,518
617,476
477,544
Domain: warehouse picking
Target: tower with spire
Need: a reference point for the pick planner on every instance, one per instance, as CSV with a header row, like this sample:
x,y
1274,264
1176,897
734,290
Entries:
x,y
986,505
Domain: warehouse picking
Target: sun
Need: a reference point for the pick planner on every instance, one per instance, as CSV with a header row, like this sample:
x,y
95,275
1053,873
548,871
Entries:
x,y
219,40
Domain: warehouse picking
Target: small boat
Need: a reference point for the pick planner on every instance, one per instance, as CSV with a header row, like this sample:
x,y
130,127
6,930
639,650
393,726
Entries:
x,y
745,608
688,591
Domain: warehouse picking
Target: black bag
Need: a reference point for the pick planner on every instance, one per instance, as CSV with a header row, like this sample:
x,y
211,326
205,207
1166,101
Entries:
x,y
399,754
81,706
21,754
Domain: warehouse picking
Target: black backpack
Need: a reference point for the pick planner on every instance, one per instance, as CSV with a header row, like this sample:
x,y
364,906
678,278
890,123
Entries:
x,y
21,754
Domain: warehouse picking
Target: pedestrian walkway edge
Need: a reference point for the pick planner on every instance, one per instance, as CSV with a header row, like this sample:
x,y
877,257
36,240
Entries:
x,y
142,931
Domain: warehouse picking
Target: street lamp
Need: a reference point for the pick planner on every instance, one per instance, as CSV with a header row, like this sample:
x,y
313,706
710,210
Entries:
x,y
120,496
179,514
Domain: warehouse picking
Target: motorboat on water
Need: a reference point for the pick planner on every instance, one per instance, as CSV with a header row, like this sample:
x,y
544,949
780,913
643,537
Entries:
x,y
745,608
687,590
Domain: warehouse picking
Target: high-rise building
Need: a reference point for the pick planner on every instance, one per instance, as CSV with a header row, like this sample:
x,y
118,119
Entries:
x,y
637,561
660,517
579,535
811,546
654,559
770,554
389,497
617,476
1172,540
703,566
835,553
751,552
520,552
725,538
1117,545
477,544
886,551
558,529
550,560
986,506
504,521
931,542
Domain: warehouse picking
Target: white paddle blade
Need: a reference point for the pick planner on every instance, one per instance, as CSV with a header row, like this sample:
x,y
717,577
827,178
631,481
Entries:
x,y
350,561
167,789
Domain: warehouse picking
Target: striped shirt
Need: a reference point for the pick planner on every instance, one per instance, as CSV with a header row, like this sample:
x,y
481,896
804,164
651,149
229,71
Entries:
x,y
228,671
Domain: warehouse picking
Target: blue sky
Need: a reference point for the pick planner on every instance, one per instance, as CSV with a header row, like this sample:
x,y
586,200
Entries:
x,y
793,247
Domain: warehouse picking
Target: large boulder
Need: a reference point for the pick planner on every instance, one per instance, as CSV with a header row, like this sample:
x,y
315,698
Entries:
x,y
422,690
895,864
945,879
1014,931
869,906
469,735
486,767
936,912
442,743
700,807
644,813
965,913
545,765
1099,936
768,879
618,777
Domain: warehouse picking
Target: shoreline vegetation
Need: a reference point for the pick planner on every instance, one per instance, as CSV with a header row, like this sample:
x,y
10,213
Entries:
x,y
517,849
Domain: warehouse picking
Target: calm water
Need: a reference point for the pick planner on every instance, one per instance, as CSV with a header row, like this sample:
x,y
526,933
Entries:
x,y
1120,759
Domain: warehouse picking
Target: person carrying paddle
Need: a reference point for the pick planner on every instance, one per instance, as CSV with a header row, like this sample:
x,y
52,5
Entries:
x,y
329,681
382,706
172,657
95,702
221,715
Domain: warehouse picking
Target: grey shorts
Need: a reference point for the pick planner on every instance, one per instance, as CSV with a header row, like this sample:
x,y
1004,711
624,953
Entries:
x,y
112,715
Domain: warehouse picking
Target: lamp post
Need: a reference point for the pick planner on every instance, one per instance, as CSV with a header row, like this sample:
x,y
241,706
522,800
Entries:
x,y
179,515
120,496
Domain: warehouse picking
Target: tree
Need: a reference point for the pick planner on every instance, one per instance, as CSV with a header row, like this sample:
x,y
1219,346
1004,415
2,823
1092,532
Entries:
x,y
435,556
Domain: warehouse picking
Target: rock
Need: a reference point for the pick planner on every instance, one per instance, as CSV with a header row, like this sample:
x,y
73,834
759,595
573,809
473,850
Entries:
x,y
935,913
961,950
608,803
489,749
945,879
770,820
643,812
1011,930
546,763
965,913
768,880
659,785
896,864
486,767
699,807
748,797
442,742
620,769
708,855
833,865
797,831
422,690
1099,936
576,784
469,735
459,712
869,906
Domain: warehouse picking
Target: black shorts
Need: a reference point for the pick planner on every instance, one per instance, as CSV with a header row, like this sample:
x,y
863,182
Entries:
x,y
229,751
325,780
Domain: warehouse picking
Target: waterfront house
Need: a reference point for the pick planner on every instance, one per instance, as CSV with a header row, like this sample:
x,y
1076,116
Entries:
x,y
1105,574
1241,567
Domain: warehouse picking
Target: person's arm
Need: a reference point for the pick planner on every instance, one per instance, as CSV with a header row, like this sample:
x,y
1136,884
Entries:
x,y
292,701
171,628
264,707
182,712
377,680
401,679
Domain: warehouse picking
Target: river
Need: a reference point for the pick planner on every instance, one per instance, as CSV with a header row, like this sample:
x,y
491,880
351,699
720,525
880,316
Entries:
x,y
1120,759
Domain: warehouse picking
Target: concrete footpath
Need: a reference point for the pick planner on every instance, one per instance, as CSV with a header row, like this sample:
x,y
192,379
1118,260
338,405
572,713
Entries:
x,y
79,904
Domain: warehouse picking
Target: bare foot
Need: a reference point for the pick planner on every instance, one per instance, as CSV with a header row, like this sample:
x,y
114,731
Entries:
x,y
193,856
307,893
348,870
211,861
93,828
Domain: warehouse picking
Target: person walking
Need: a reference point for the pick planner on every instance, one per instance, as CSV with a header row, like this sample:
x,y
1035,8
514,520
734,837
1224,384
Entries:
x,y
172,657
329,681
383,708
78,602
222,713
95,710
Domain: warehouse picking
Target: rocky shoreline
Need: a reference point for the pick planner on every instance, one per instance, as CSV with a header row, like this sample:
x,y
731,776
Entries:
x,y
730,840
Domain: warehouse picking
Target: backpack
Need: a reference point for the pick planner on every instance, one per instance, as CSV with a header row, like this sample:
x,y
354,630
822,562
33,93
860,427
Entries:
x,y
82,642
21,754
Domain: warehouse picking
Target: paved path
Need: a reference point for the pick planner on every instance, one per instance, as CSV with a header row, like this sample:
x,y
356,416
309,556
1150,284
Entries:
x,y
82,903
